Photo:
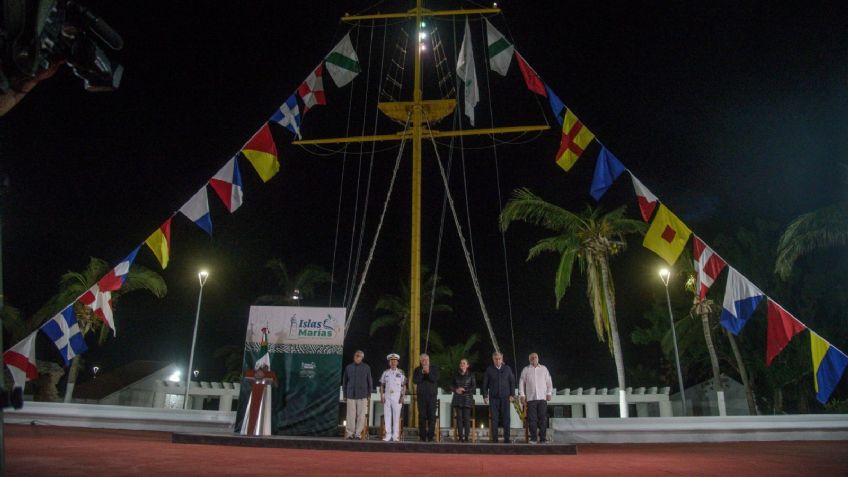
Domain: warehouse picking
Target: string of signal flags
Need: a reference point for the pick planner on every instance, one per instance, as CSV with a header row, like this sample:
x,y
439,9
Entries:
x,y
667,235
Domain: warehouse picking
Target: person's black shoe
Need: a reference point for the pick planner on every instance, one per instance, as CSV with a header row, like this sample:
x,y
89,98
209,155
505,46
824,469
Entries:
x,y
506,441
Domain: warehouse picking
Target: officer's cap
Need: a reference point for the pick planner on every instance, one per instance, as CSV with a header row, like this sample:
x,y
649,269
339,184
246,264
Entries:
x,y
392,356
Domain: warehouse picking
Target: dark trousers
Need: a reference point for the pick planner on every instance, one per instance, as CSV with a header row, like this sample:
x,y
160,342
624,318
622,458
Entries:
x,y
537,419
463,422
499,408
426,417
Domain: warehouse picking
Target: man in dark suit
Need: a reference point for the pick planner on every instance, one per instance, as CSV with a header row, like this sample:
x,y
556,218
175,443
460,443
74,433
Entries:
x,y
498,386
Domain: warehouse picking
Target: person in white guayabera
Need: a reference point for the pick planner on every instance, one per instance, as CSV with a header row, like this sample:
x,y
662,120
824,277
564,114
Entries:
x,y
392,393
356,389
535,389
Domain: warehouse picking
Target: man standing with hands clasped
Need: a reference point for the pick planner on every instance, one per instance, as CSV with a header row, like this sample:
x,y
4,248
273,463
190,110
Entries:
x,y
536,389
426,379
498,386
356,389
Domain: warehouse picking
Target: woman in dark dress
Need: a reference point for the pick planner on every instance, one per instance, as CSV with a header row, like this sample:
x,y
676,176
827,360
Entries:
x,y
463,387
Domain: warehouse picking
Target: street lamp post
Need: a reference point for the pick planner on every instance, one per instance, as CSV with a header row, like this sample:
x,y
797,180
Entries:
x,y
201,277
665,274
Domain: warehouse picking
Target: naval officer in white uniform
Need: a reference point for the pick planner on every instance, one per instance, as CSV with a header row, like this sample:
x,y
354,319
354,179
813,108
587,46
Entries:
x,y
392,393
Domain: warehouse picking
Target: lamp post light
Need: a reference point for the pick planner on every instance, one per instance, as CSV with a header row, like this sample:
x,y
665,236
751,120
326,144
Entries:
x,y
665,275
296,296
201,277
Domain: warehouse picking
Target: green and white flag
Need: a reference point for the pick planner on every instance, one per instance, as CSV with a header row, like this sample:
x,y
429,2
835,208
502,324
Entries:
x,y
342,62
500,51
466,71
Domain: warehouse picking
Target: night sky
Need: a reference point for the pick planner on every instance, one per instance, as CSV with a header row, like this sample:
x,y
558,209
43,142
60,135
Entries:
x,y
727,111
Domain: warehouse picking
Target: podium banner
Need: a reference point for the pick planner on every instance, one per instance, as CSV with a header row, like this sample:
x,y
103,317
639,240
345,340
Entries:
x,y
305,349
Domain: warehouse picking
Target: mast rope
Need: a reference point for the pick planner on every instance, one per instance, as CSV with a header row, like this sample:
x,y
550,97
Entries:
x,y
462,162
471,270
341,191
377,232
500,207
348,277
438,250
370,166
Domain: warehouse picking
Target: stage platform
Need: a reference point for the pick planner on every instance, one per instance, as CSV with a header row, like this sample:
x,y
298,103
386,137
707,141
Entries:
x,y
374,445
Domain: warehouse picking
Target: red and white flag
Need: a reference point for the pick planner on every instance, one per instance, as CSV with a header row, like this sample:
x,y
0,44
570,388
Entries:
x,y
100,301
21,360
311,91
647,200
707,266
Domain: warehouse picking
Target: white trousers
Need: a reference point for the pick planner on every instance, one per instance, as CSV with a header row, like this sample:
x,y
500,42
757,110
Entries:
x,y
391,416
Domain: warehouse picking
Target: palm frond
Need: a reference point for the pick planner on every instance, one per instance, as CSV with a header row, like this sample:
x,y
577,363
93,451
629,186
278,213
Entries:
x,y
143,278
382,322
826,227
563,274
528,207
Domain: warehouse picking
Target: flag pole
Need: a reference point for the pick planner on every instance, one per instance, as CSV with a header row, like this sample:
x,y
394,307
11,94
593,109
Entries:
x,y
202,276
4,184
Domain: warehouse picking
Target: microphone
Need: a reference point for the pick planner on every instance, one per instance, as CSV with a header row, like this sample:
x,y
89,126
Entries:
x,y
100,27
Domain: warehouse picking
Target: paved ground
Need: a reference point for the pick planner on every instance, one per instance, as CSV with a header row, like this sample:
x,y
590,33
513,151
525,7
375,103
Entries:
x,y
45,451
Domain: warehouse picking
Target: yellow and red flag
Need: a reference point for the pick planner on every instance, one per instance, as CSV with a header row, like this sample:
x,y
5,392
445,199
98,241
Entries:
x,y
160,243
575,138
261,151
667,235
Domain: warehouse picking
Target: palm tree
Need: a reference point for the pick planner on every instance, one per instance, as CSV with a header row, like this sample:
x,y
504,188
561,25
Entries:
x,y
291,290
74,284
591,238
822,228
233,356
395,310
13,322
447,359
706,310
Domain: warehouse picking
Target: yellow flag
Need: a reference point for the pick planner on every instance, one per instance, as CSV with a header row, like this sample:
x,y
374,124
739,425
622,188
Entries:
x,y
575,138
667,235
160,243
819,347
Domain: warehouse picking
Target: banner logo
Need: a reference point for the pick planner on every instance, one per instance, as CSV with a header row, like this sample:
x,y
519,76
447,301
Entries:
x,y
313,328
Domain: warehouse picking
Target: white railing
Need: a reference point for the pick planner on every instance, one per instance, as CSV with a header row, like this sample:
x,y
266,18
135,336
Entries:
x,y
584,403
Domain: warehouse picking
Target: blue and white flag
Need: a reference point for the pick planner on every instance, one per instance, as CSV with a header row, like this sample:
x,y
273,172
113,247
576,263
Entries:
x,y
197,210
741,298
64,331
288,115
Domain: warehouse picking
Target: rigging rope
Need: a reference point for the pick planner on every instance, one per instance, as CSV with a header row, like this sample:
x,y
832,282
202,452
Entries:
x,y
379,228
462,240
341,192
438,249
370,167
500,207
348,277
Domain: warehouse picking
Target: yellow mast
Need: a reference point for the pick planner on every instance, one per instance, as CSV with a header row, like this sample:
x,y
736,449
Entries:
x,y
415,255
418,111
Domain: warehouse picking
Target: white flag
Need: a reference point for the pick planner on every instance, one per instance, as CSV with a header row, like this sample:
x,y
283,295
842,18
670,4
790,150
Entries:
x,y
342,63
499,50
468,74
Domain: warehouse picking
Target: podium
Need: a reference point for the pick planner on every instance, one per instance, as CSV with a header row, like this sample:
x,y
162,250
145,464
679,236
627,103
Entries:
x,y
257,420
